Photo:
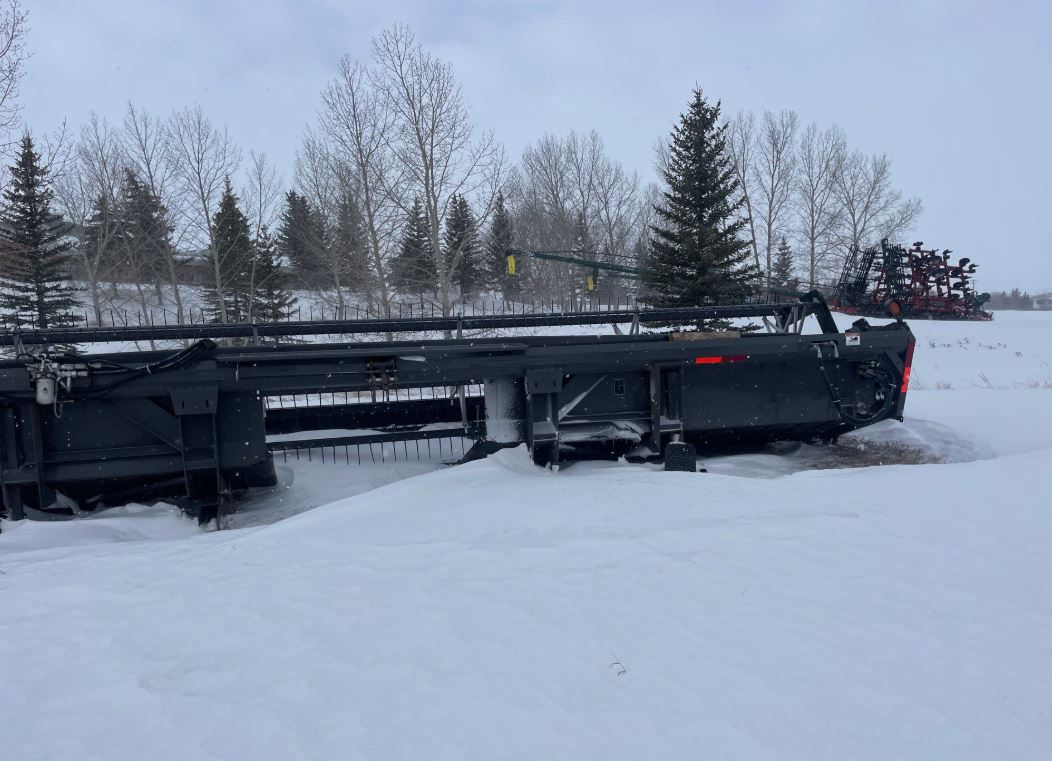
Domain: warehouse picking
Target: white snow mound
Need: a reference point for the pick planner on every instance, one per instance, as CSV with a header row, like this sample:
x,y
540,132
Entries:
x,y
607,611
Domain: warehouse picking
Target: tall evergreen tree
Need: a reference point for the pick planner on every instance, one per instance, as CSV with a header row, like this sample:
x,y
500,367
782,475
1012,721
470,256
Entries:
x,y
144,234
413,267
100,224
500,245
301,239
349,247
641,251
229,298
320,247
461,249
782,271
35,285
699,253
101,247
582,236
134,242
272,298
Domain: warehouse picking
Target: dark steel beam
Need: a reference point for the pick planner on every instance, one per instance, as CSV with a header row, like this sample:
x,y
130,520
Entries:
x,y
259,330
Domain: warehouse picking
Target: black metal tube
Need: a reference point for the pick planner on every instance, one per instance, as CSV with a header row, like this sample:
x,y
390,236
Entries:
x,y
380,325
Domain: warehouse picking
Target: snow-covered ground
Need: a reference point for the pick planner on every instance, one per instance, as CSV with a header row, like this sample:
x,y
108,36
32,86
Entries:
x,y
783,605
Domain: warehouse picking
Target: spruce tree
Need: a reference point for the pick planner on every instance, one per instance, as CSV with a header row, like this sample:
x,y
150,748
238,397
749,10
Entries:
x,y
413,267
699,253
301,238
782,271
35,285
288,236
102,248
229,294
319,247
349,246
641,251
100,229
582,236
272,297
144,234
460,247
500,245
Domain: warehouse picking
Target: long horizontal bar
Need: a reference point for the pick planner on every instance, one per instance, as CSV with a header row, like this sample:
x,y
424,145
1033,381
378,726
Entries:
x,y
382,325
623,269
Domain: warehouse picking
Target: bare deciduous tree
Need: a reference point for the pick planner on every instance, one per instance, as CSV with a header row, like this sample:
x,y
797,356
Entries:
x,y
819,156
617,209
900,219
617,205
92,185
148,150
262,197
585,160
58,151
741,144
546,176
871,207
562,182
434,142
358,126
148,153
538,192
262,192
774,174
14,25
203,157
320,177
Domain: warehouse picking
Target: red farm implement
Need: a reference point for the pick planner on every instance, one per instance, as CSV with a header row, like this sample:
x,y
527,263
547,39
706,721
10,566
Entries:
x,y
915,282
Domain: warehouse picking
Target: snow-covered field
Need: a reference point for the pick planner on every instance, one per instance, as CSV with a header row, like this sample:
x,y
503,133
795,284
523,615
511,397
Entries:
x,y
781,606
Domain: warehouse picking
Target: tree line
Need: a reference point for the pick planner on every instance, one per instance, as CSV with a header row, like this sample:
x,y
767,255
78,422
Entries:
x,y
1014,299
396,194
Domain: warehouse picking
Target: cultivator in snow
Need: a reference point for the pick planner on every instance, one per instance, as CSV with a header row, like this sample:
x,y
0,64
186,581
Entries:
x,y
917,282
81,431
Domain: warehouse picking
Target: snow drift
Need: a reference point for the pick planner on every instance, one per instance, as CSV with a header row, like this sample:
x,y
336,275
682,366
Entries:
x,y
607,611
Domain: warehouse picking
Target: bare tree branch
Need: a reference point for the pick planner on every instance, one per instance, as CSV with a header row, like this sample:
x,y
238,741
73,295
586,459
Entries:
x,y
741,144
203,156
433,141
819,158
14,26
775,171
148,153
358,125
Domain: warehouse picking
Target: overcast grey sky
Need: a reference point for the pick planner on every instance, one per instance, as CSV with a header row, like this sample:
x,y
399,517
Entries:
x,y
956,93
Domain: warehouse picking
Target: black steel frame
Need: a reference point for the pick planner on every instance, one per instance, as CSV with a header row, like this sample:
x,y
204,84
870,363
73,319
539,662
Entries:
x,y
194,422
378,326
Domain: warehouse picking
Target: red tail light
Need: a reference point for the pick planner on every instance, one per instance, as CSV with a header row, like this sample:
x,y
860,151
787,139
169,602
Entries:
x,y
719,360
909,364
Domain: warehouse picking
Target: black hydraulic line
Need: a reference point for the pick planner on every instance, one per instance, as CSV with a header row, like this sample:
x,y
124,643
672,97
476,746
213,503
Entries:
x,y
255,330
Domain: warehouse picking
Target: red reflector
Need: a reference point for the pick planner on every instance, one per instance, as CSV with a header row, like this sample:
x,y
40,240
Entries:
x,y
909,365
719,360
